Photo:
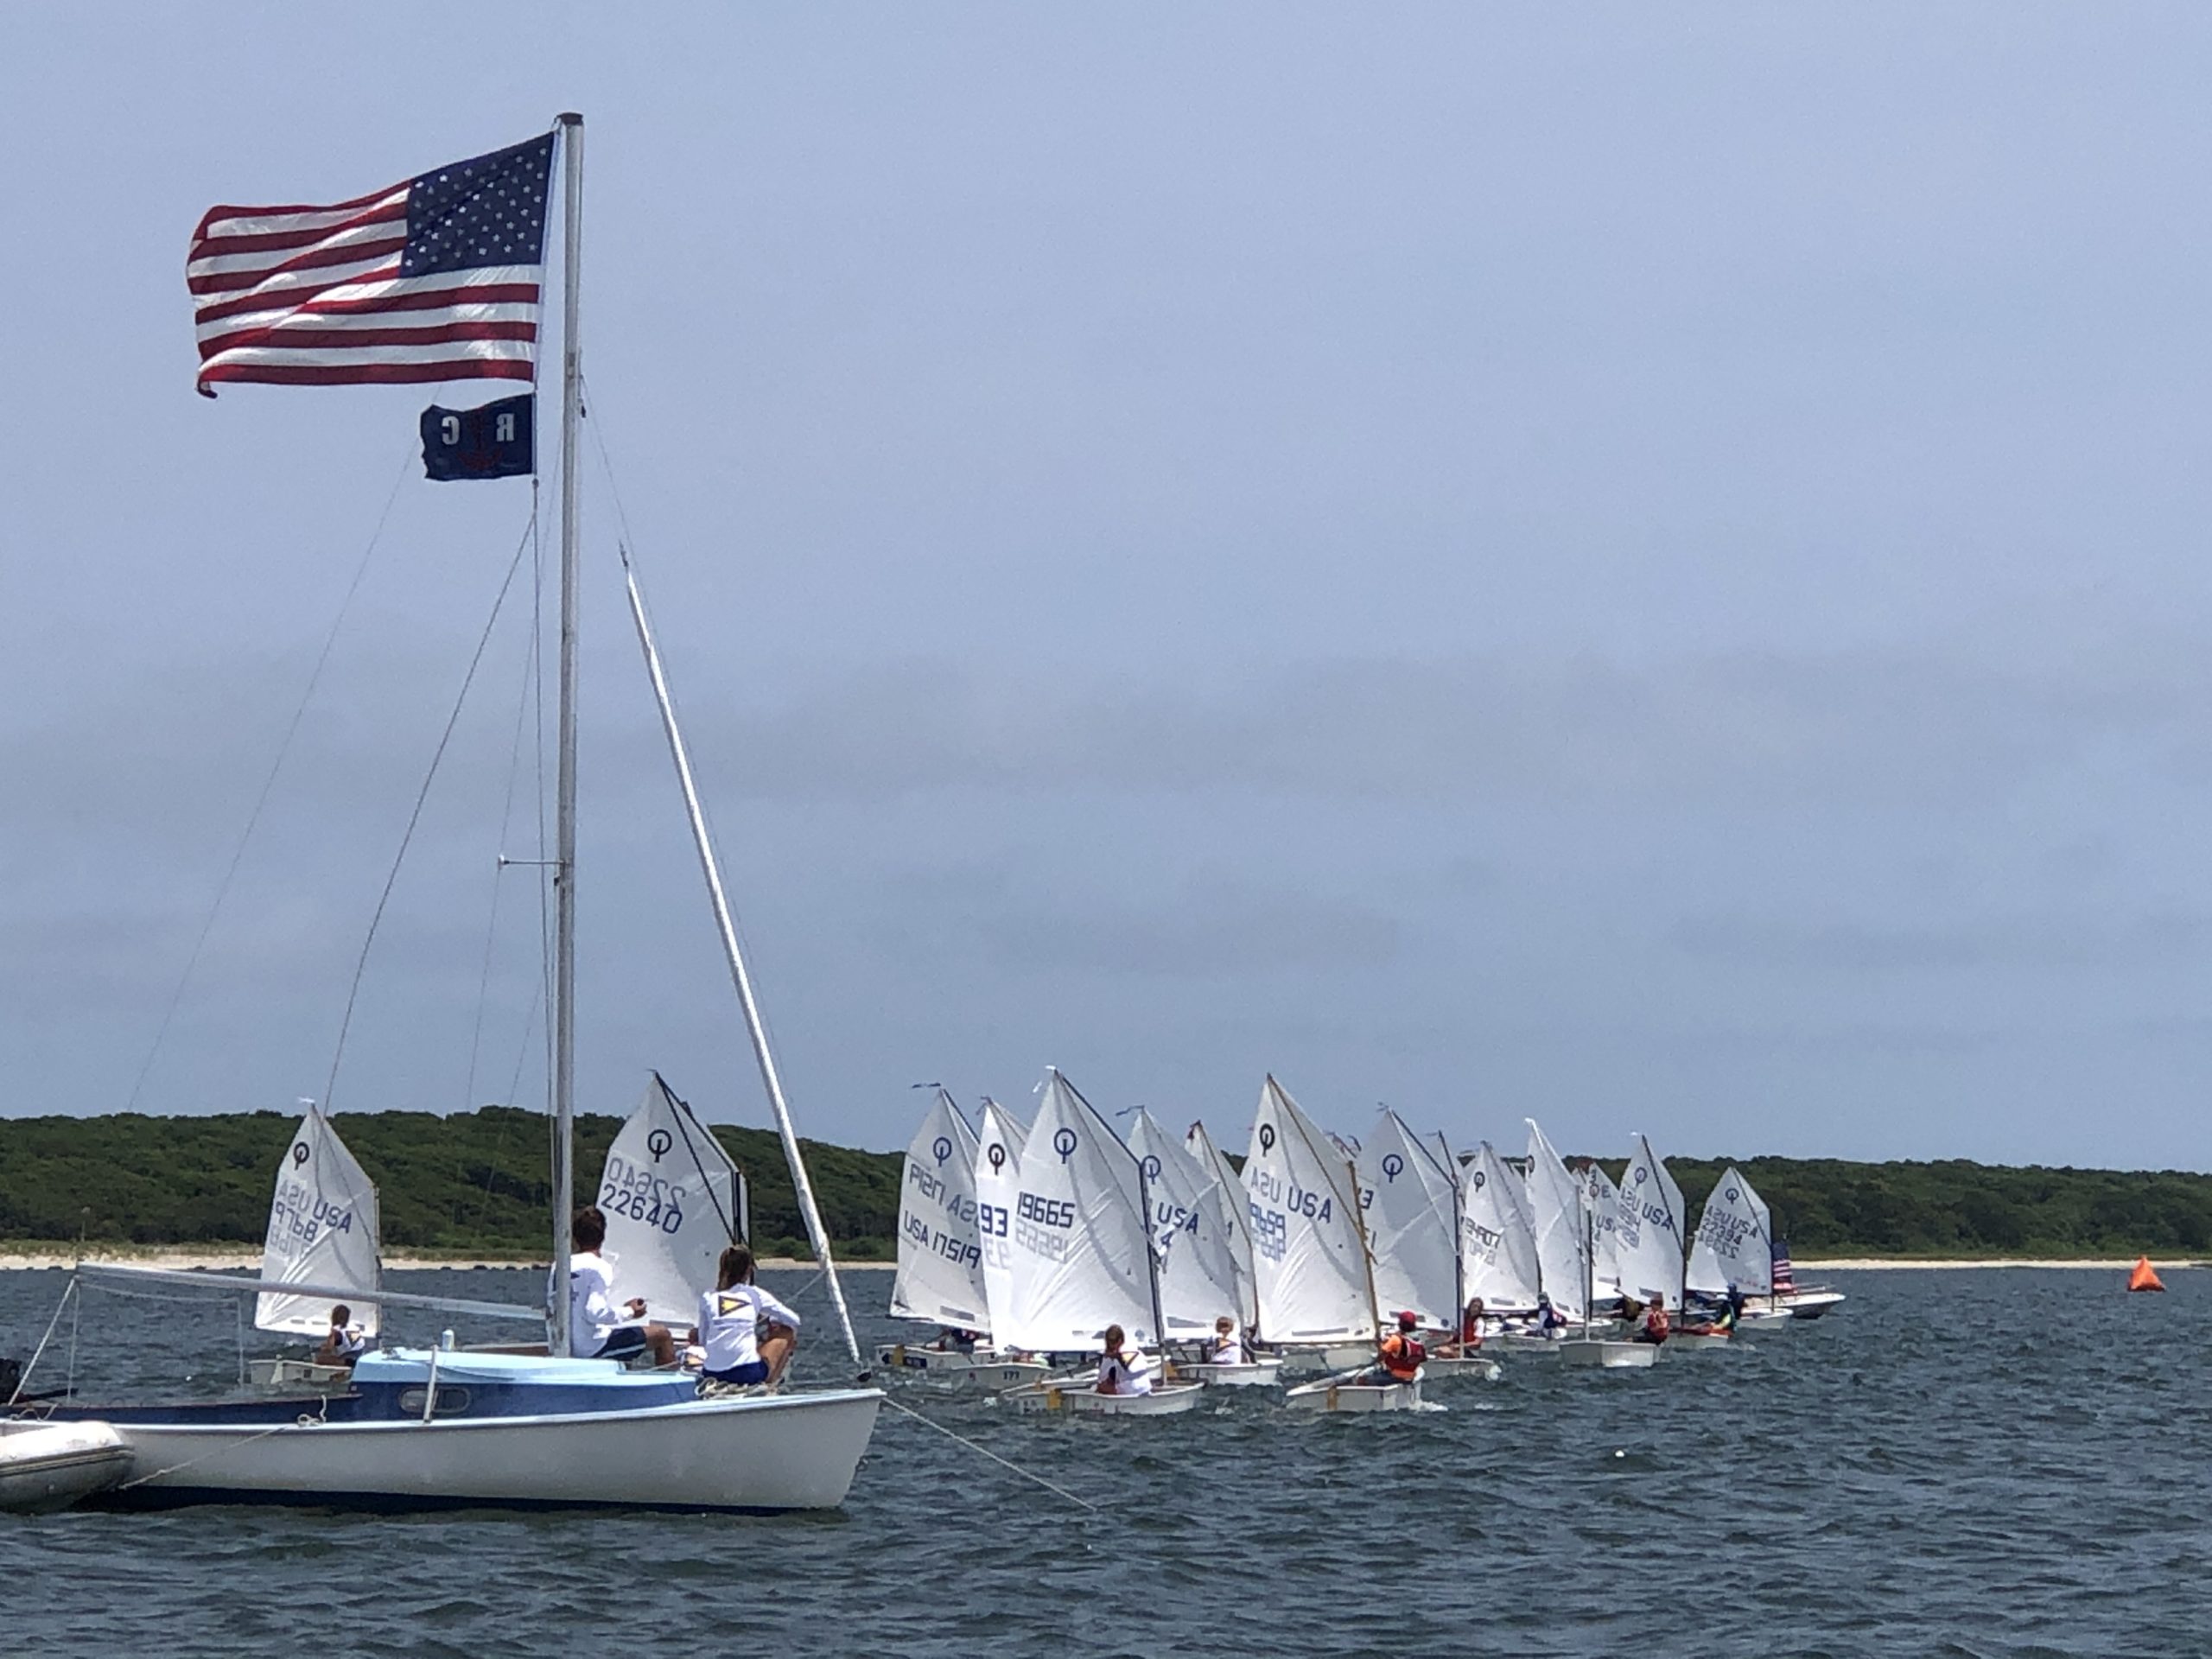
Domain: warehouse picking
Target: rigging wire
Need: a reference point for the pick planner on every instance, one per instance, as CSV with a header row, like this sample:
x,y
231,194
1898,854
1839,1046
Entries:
x,y
268,783
415,818
930,1422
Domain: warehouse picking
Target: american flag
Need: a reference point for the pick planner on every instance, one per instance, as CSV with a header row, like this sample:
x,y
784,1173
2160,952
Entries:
x,y
1785,1277
437,278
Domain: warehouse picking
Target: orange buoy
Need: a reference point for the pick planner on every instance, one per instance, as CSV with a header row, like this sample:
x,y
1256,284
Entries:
x,y
2146,1277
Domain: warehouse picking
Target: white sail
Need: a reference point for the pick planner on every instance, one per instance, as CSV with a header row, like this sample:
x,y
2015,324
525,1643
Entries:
x,y
1734,1249
998,1183
1497,1237
323,1229
1652,1237
1604,1231
1555,1212
940,1275
1081,1249
673,1203
1411,1206
1237,1217
1197,1265
1309,1254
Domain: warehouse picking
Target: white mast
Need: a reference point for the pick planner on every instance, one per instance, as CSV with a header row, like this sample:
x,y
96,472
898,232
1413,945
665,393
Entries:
x,y
711,869
564,853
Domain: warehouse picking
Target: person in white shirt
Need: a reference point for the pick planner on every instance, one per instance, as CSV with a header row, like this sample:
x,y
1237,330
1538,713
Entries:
x,y
731,1318
345,1343
597,1330
1122,1371
1227,1349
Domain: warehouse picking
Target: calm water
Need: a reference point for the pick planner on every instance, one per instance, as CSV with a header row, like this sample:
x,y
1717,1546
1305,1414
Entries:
x,y
1985,1463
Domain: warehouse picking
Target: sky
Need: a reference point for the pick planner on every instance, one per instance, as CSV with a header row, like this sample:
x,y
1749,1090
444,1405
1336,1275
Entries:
x,y
1642,570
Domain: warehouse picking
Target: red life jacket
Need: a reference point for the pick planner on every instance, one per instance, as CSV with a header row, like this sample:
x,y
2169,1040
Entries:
x,y
1402,1356
1470,1331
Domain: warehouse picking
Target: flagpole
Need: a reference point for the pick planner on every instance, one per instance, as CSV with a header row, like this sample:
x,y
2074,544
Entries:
x,y
564,854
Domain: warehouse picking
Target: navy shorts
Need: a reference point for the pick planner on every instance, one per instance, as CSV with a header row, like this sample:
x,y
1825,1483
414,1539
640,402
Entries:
x,y
743,1375
622,1341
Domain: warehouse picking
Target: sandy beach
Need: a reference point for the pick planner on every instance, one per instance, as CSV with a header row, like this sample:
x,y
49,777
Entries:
x,y
1862,1263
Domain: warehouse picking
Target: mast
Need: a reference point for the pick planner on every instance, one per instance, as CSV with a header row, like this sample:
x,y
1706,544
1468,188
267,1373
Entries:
x,y
711,869
564,853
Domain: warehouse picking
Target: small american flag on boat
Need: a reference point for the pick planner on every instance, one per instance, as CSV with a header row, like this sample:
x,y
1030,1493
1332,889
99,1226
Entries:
x,y
437,278
1785,1278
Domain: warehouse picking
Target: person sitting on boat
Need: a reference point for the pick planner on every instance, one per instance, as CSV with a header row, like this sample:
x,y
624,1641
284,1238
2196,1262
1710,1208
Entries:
x,y
1652,1325
1226,1347
1718,1321
1470,1339
597,1330
1549,1320
746,1333
1122,1370
955,1339
345,1343
1401,1352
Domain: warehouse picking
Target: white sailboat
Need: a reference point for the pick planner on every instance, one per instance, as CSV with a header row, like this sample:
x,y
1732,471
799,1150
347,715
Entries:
x,y
1733,1251
1197,1265
1497,1237
423,1428
1224,1198
1604,1234
1083,1257
1560,1205
674,1202
1313,1277
1653,1233
1463,1363
1411,1209
324,1228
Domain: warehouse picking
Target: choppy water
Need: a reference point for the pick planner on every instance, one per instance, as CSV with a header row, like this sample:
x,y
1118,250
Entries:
x,y
1969,1463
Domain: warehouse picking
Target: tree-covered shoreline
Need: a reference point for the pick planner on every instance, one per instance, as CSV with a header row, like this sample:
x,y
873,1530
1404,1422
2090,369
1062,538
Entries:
x,y
476,1183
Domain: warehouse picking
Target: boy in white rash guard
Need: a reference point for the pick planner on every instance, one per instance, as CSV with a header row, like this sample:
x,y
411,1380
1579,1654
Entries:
x,y
345,1343
1119,1372
1226,1349
730,1318
597,1330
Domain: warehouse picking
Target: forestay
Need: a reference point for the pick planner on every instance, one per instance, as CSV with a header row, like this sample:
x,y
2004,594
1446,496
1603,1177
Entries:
x,y
940,1275
1410,1204
1651,1236
1734,1248
1497,1237
1309,1256
1197,1265
1235,1214
1604,1232
674,1202
1555,1212
323,1229
998,1182
1081,1252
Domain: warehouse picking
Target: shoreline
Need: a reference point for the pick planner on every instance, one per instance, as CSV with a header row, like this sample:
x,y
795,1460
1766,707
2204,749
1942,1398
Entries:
x,y
31,1258
2081,1263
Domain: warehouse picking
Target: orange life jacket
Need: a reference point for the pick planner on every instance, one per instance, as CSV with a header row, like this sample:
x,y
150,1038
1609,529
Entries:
x,y
1402,1356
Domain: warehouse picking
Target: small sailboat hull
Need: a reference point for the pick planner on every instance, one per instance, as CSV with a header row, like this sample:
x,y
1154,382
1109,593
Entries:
x,y
1461,1368
1077,1397
1696,1339
1763,1318
1809,1304
1596,1351
1329,1395
45,1467
752,1453
1262,1374
951,1369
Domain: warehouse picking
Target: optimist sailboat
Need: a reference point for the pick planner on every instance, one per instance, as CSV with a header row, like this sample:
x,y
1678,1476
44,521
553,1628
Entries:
x,y
1314,1277
435,1426
1195,1240
1225,1199
940,1281
1733,1252
1412,1199
673,1202
1083,1258
1565,1234
323,1228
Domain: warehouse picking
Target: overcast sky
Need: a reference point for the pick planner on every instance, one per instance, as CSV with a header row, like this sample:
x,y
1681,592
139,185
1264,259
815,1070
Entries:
x,y
1643,569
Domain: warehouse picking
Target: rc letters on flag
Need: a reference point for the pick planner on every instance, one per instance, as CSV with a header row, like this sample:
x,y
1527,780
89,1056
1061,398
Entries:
x,y
494,441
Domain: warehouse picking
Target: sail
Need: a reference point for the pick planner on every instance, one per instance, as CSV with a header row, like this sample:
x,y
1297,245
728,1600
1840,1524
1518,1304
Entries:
x,y
1309,1254
673,1203
1651,1234
1194,1237
323,1229
1237,1217
1080,1249
940,1274
1555,1212
1497,1237
1411,1205
1604,1232
1732,1251
998,1183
